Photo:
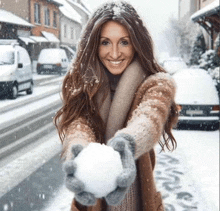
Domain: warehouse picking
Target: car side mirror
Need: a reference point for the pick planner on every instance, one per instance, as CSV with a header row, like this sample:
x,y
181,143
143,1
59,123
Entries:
x,y
20,65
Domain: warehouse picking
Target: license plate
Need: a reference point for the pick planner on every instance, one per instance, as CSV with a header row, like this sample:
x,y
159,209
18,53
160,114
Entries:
x,y
194,112
48,66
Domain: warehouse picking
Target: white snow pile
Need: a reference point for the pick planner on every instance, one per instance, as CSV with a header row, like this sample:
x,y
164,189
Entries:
x,y
98,167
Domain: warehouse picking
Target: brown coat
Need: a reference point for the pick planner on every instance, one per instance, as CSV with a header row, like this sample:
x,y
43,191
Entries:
x,y
140,108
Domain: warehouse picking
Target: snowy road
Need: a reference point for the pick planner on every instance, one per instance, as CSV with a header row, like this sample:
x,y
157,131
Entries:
x,y
29,117
26,148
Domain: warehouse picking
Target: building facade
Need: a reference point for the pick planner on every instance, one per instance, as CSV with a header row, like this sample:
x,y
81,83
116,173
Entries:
x,y
187,8
18,7
49,23
70,25
203,3
44,15
208,17
204,12
80,7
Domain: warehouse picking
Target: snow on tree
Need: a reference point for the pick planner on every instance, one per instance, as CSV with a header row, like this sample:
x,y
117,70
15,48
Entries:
x,y
181,34
215,73
217,51
198,49
207,60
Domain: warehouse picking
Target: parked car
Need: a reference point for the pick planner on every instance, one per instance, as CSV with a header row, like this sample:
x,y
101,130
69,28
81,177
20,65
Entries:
x,y
52,60
174,64
69,51
197,98
15,70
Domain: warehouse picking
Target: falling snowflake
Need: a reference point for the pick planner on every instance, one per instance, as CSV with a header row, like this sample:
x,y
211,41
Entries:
x,y
6,207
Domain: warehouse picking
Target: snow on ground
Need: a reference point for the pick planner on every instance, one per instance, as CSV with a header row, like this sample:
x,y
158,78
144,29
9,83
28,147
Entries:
x,y
38,91
61,201
199,151
37,76
29,108
27,164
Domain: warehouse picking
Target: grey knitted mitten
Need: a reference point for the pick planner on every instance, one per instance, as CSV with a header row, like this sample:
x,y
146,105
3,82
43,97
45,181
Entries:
x,y
125,145
74,184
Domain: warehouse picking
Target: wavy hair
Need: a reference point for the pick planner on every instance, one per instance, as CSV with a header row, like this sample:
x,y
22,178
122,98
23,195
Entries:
x,y
87,75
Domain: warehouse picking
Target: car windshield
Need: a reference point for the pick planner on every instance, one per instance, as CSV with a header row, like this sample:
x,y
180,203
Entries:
x,y
7,57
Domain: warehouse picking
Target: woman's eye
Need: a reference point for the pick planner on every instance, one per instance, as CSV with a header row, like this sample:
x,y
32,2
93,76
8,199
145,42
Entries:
x,y
124,42
104,42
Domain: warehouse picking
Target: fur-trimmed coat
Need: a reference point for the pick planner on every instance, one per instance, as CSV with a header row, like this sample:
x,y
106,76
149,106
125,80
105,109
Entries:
x,y
140,107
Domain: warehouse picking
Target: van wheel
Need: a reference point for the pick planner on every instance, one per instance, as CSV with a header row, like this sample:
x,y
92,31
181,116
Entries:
x,y
14,92
30,90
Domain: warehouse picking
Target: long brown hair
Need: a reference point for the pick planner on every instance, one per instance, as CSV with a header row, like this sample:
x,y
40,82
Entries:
x,y
87,77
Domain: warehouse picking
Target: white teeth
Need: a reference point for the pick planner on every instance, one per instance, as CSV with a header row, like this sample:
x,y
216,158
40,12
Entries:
x,y
115,62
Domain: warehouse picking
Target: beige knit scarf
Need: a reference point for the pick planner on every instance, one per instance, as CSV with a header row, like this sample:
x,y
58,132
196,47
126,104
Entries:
x,y
114,113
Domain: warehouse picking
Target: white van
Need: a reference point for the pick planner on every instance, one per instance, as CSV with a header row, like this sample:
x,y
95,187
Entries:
x,y
15,71
52,60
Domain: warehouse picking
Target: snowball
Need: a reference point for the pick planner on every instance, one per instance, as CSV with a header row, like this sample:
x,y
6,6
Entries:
x,y
98,167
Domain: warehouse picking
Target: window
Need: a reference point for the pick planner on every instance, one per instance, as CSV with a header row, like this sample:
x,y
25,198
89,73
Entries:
x,y
54,19
72,33
36,13
46,16
65,30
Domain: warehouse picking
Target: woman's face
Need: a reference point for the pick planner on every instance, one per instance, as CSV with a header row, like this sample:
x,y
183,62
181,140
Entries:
x,y
115,48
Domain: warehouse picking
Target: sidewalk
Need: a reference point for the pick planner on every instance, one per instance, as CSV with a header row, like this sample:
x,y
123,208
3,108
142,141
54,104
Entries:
x,y
188,177
174,183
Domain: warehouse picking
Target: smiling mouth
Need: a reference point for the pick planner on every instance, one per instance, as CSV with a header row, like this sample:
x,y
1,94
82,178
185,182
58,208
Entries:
x,y
116,62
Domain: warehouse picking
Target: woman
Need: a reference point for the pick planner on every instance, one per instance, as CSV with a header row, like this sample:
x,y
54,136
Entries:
x,y
116,93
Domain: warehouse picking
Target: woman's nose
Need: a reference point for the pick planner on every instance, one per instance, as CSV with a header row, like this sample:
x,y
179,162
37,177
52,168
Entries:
x,y
115,52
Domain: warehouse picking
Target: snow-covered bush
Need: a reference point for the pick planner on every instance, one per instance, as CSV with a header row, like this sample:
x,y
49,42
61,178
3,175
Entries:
x,y
215,74
198,49
207,60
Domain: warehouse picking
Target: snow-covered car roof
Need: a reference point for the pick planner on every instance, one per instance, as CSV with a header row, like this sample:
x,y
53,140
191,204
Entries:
x,y
51,55
195,86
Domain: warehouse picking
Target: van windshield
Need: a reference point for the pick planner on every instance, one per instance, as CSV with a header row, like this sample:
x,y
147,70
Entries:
x,y
7,57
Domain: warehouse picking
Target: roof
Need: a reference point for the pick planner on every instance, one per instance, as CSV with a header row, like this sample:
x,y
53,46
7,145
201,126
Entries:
x,y
68,11
8,17
208,10
38,39
26,40
56,2
50,37
86,10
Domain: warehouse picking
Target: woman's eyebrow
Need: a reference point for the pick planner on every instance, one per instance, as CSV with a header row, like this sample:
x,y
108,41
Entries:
x,y
120,37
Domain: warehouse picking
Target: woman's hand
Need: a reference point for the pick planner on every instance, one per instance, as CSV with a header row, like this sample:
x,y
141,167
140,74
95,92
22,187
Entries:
x,y
74,184
124,144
